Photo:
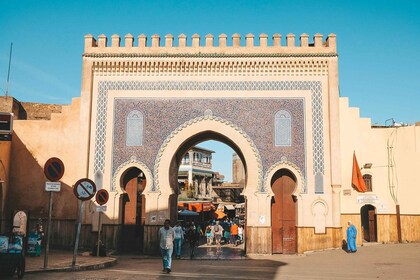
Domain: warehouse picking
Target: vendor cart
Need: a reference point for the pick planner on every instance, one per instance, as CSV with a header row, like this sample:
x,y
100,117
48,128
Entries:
x,y
12,255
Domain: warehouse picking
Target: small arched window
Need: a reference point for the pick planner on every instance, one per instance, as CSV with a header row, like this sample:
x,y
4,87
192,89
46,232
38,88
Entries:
x,y
134,129
283,129
368,182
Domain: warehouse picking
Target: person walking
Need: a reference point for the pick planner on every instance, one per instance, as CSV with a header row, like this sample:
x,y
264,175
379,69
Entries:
x,y
351,238
179,237
209,235
217,230
240,234
234,234
166,238
192,236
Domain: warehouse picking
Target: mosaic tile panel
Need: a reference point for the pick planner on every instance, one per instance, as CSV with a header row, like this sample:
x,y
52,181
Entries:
x,y
247,114
314,86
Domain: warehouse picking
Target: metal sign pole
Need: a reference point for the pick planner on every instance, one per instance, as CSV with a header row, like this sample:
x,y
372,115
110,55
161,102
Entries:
x,y
47,247
99,233
76,244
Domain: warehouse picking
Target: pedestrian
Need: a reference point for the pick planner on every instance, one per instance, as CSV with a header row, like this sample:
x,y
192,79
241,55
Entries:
x,y
192,236
351,238
166,237
226,232
179,237
217,232
240,234
234,234
209,235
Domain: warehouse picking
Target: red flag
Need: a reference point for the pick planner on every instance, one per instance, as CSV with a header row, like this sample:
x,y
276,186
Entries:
x,y
356,177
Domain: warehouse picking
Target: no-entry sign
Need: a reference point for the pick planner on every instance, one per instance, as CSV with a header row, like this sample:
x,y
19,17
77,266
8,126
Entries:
x,y
54,169
102,197
84,189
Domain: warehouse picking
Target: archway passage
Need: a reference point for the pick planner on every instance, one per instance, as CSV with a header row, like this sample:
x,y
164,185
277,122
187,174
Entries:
x,y
202,196
283,213
132,211
179,156
368,217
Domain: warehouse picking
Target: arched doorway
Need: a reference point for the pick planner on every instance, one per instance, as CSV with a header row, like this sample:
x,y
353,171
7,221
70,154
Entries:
x,y
132,211
283,213
368,218
201,185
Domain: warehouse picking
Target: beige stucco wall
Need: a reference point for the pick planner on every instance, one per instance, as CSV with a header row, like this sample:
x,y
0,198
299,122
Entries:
x,y
370,145
5,152
34,142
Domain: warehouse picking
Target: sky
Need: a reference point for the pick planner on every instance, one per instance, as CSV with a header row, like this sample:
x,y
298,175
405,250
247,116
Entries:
x,y
378,43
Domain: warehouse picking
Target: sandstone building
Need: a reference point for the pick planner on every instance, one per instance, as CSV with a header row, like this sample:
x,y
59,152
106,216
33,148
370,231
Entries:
x,y
143,105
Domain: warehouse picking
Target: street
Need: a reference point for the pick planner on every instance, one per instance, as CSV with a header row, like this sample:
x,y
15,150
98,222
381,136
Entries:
x,y
389,261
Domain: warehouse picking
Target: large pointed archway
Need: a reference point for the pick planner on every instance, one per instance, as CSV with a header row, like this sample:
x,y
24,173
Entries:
x,y
161,197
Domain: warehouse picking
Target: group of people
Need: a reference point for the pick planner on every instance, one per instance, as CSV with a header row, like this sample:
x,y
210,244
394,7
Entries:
x,y
225,231
172,238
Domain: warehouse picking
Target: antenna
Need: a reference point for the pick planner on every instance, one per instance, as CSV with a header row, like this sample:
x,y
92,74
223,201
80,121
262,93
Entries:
x,y
8,71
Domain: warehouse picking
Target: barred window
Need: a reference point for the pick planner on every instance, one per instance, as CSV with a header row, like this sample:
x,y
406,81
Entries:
x,y
283,129
134,129
368,182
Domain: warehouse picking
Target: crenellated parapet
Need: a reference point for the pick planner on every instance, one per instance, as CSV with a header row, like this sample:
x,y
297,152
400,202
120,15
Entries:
x,y
209,45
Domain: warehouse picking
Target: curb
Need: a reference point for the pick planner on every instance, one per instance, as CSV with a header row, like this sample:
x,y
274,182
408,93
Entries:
x,y
96,266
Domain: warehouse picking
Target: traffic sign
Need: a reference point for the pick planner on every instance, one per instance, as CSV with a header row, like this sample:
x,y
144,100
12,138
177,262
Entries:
x,y
84,189
102,197
101,208
52,186
54,169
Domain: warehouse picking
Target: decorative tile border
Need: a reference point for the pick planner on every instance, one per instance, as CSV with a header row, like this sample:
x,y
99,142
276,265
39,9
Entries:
x,y
314,86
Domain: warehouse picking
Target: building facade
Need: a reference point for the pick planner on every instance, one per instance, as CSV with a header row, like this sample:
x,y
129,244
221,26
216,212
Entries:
x,y
143,106
195,175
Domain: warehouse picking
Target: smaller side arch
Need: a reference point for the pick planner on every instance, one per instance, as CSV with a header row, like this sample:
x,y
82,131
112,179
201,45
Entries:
x,y
132,162
300,183
285,164
319,210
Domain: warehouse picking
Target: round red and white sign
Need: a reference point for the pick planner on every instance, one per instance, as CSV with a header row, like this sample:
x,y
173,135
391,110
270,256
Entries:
x,y
84,189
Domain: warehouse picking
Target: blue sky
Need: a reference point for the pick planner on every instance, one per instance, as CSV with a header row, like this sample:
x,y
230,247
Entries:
x,y
378,42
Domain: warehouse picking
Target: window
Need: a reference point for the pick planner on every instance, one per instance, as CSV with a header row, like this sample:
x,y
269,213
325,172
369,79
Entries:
x,y
134,129
368,182
283,129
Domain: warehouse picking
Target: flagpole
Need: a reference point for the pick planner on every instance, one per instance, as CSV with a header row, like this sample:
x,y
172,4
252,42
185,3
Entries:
x,y
8,71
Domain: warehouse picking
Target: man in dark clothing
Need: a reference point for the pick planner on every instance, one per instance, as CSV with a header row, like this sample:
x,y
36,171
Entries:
x,y
192,236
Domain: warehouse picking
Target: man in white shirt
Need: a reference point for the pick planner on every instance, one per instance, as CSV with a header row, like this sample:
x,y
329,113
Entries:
x,y
179,236
166,237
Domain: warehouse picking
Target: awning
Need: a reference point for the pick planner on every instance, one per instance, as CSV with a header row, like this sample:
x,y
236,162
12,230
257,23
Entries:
x,y
197,206
219,215
229,207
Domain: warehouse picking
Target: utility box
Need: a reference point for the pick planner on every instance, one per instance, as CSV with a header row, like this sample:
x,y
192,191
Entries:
x,y
6,123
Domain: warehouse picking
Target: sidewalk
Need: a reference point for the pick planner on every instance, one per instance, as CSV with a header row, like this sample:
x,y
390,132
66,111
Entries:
x,y
62,260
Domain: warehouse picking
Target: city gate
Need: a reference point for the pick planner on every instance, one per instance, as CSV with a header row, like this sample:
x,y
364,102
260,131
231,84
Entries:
x,y
275,104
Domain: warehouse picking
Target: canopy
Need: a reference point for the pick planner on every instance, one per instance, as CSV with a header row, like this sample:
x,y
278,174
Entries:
x,y
187,213
219,214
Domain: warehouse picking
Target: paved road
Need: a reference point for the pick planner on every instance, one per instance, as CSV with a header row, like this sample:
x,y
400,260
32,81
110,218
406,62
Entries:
x,y
390,261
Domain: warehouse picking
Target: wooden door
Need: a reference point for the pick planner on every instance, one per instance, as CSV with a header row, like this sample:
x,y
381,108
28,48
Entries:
x,y
372,226
132,229
283,216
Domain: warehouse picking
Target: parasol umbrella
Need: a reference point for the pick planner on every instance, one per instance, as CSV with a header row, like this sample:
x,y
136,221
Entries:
x,y
187,213
219,214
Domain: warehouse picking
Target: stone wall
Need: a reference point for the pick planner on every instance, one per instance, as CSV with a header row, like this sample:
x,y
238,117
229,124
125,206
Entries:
x,y
39,111
28,110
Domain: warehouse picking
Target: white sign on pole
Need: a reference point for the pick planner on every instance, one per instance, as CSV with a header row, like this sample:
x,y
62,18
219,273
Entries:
x,y
101,208
52,186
